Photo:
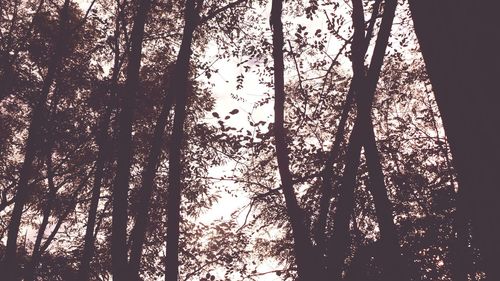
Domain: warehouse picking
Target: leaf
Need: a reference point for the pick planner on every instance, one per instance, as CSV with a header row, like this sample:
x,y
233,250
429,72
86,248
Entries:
x,y
215,114
234,111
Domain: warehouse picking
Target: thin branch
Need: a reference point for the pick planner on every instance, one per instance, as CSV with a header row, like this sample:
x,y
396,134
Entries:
x,y
212,14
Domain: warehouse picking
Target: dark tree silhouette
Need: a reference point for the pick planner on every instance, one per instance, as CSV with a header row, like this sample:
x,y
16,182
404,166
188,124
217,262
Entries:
x,y
103,141
38,116
362,135
121,184
459,44
302,244
179,89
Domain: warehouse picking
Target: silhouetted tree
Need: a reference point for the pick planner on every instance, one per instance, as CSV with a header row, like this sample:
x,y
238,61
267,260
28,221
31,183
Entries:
x,y
459,42
38,115
121,184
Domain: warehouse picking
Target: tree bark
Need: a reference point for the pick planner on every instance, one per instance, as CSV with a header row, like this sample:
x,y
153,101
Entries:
x,y
459,41
47,150
119,260
149,172
34,133
88,248
179,89
395,267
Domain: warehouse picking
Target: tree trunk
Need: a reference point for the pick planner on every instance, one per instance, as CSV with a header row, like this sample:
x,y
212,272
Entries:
x,y
148,175
395,267
460,42
103,146
34,133
327,174
46,148
302,244
327,177
119,261
179,88
102,140
35,257
364,87
149,172
338,244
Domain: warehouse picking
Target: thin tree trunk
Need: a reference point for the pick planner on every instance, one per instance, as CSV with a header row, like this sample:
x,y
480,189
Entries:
x,y
302,244
34,131
327,176
364,88
102,142
88,248
460,42
395,267
138,234
46,148
35,257
179,87
149,172
339,241
119,247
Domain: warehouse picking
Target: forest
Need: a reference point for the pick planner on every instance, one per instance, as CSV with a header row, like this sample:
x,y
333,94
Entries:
x,y
252,140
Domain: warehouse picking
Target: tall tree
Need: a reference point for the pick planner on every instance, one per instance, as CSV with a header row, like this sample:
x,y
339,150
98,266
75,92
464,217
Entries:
x,y
121,184
179,88
102,139
173,89
459,43
327,176
302,245
34,131
363,135
30,271
138,233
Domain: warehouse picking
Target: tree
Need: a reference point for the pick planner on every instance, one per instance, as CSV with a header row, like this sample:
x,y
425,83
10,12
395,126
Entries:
x,y
363,136
302,247
180,76
462,74
103,141
121,183
31,142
